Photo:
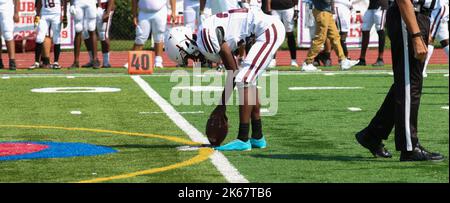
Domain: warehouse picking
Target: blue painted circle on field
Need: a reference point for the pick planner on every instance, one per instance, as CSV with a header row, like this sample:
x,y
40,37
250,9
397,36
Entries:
x,y
59,150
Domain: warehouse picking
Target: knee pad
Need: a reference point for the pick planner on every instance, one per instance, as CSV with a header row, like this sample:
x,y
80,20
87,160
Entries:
x,y
8,36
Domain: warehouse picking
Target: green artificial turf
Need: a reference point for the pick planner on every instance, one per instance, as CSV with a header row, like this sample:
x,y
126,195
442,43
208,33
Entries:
x,y
310,139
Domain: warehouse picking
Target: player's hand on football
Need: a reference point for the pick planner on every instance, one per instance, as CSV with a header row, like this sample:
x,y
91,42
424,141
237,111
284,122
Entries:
x,y
73,10
420,48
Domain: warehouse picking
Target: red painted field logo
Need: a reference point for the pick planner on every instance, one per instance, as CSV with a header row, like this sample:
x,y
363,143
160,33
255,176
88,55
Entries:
x,y
140,62
10,149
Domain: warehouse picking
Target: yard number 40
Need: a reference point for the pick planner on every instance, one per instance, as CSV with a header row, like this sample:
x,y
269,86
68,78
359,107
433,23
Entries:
x,y
139,62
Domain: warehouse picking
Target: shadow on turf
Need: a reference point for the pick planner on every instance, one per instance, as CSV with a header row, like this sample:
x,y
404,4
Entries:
x,y
315,157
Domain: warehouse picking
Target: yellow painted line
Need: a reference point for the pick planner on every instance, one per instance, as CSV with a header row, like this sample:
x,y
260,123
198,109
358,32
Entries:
x,y
203,154
165,137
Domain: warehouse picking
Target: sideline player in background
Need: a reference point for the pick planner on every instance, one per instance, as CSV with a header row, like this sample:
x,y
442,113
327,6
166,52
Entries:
x,y
151,18
342,12
287,12
84,12
49,16
438,30
9,14
191,12
325,28
375,15
408,27
254,4
104,19
217,6
342,16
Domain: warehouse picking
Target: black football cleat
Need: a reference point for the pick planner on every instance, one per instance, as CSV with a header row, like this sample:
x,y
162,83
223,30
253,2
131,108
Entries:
x,y
378,63
12,65
420,154
90,64
96,64
376,147
75,65
362,62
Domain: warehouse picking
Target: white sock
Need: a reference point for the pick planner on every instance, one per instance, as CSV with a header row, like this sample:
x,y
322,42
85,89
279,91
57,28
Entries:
x,y
446,50
106,58
158,60
429,54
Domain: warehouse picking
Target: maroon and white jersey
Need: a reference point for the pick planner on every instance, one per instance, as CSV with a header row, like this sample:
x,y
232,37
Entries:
x,y
51,7
232,27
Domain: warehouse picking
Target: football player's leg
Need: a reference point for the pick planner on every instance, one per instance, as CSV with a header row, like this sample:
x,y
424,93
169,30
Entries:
x,y
158,27
91,17
368,21
443,35
42,32
256,62
189,17
380,19
288,21
56,30
104,29
85,37
343,23
142,30
277,14
78,20
7,25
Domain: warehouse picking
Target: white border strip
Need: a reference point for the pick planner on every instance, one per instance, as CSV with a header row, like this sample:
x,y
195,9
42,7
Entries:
x,y
222,164
407,87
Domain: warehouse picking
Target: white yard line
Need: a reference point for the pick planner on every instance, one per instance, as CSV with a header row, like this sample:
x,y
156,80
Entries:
x,y
112,75
222,164
324,88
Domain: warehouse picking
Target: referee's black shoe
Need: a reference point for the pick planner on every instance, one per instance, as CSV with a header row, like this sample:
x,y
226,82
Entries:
x,y
375,146
420,154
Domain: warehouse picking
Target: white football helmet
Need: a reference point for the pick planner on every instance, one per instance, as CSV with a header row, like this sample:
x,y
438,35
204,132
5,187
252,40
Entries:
x,y
180,45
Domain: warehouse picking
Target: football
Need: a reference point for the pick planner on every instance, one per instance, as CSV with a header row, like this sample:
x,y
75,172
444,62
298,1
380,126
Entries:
x,y
217,129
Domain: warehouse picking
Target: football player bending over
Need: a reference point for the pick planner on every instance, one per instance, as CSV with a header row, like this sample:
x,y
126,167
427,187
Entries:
x,y
218,37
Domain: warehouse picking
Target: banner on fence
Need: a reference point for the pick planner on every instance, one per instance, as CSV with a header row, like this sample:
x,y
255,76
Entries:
x,y
25,28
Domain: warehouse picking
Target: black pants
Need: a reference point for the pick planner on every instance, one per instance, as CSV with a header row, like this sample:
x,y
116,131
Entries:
x,y
401,105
